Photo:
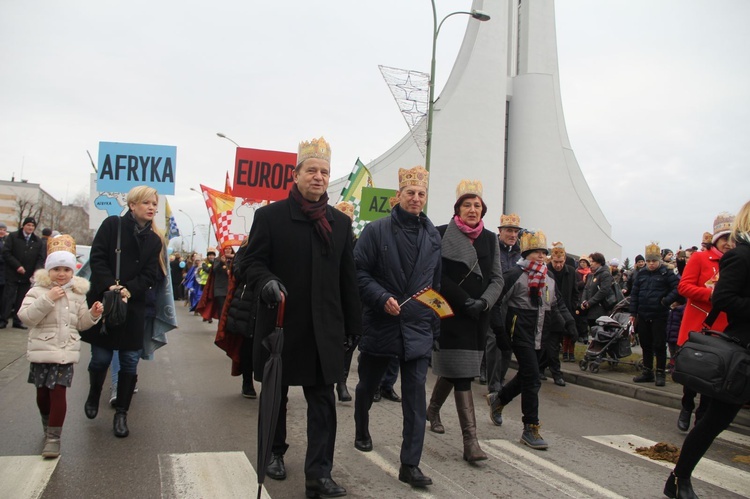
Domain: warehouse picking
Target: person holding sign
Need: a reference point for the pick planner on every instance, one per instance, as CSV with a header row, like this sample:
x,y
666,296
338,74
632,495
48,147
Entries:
x,y
302,247
398,256
472,280
125,255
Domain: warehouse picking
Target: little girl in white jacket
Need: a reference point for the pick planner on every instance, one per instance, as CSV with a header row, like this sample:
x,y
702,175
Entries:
x,y
55,309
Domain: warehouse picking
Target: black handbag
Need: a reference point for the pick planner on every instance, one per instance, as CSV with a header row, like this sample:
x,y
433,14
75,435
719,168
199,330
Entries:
x,y
115,310
714,364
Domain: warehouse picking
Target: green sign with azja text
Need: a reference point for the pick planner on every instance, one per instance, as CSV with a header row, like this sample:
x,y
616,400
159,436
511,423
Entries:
x,y
375,203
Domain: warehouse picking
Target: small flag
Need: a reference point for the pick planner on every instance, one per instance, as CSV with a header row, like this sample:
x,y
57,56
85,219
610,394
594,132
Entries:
x,y
359,177
171,223
228,186
435,301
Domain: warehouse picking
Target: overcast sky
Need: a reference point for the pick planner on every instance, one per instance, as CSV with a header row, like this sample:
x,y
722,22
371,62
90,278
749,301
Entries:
x,y
655,93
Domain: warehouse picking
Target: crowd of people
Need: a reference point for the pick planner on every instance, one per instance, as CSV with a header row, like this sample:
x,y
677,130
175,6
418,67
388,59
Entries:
x,y
511,293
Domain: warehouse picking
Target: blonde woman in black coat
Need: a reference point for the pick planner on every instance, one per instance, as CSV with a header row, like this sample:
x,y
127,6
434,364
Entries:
x,y
731,295
140,265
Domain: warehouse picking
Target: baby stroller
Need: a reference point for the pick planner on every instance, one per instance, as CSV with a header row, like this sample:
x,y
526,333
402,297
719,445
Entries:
x,y
611,339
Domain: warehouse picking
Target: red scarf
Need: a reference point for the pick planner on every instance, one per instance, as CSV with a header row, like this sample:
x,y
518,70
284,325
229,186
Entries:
x,y
471,232
537,272
316,212
584,272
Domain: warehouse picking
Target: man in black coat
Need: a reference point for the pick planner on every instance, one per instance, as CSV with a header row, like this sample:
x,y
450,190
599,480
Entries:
x,y
497,357
565,278
303,248
398,256
23,253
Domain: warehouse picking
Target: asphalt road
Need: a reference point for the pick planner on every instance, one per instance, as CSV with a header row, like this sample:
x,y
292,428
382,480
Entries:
x,y
193,435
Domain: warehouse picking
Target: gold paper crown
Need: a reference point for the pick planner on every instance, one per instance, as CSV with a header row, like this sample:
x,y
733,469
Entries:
x,y
512,221
558,250
414,176
706,238
61,243
347,208
533,240
316,148
723,222
653,252
473,187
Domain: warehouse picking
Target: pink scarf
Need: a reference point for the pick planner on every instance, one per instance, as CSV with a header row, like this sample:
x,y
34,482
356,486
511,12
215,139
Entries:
x,y
471,232
537,275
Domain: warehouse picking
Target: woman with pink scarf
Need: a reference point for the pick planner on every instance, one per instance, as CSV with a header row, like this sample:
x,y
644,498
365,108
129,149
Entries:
x,y
471,281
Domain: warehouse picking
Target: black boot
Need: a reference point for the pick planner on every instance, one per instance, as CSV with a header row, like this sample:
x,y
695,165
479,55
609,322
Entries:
x,y
343,392
646,376
96,380
679,488
125,386
661,378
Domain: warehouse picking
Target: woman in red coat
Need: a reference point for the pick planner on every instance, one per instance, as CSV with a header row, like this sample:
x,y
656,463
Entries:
x,y
697,285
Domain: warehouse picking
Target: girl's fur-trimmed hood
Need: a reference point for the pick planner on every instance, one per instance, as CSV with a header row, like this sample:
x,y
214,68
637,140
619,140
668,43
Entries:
x,y
80,285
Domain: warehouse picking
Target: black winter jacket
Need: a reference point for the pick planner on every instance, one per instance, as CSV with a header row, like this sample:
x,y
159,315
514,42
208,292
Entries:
x,y
732,292
16,253
653,292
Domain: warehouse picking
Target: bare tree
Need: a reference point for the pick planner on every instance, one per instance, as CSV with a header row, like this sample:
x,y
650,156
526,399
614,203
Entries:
x,y
27,207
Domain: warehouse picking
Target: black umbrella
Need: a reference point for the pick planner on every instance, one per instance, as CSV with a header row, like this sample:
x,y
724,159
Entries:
x,y
270,394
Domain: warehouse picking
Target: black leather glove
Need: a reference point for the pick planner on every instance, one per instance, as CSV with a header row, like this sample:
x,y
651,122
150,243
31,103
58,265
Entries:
x,y
271,292
435,346
473,307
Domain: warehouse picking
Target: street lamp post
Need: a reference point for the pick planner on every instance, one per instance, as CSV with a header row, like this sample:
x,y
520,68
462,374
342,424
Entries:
x,y
479,16
219,134
192,230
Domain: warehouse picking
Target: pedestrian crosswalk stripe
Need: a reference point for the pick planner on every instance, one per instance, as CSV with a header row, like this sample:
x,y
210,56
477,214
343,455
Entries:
x,y
735,438
208,474
390,470
25,477
721,475
513,455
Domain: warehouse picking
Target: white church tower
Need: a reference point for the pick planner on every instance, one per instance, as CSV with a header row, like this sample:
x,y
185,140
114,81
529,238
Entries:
x,y
499,119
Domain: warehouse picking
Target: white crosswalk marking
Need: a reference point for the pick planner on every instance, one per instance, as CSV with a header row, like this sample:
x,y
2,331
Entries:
x,y
25,477
735,438
721,475
514,456
208,474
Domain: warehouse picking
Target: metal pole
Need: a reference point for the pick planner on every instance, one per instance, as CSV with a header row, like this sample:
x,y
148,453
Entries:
x,y
192,230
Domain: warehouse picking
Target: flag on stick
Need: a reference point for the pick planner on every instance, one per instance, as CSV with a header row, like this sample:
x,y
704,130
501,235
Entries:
x,y
359,178
228,186
434,300
170,223
231,216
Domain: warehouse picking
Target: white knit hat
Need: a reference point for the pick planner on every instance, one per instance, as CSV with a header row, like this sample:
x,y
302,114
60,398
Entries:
x,y
60,259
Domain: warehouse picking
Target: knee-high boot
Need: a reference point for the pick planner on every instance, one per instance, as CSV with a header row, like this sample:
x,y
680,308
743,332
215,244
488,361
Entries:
x,y
439,394
125,386
468,420
96,380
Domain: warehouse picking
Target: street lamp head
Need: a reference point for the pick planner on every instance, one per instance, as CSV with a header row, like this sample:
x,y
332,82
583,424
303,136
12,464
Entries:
x,y
219,134
480,15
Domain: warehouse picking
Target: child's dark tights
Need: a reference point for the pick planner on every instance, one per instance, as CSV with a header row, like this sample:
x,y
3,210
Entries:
x,y
52,402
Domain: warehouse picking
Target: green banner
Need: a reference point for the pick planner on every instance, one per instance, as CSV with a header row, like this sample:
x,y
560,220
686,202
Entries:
x,y
375,203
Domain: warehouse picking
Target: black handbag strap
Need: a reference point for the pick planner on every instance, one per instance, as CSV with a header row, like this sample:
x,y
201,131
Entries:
x,y
118,250
711,317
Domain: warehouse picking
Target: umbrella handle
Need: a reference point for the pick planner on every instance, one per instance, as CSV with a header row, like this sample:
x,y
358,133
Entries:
x,y
280,311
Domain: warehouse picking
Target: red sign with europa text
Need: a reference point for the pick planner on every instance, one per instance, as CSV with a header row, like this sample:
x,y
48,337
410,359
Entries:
x,y
260,174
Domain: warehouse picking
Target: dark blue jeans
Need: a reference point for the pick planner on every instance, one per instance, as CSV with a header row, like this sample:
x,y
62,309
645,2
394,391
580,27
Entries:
x,y
102,357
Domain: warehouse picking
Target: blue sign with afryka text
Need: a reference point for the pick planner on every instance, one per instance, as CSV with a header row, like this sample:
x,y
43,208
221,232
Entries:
x,y
123,166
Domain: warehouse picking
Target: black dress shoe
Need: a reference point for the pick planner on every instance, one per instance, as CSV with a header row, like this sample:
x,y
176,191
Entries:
x,y
343,392
3,324
376,397
542,377
364,445
390,394
413,476
323,487
559,381
18,325
276,468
